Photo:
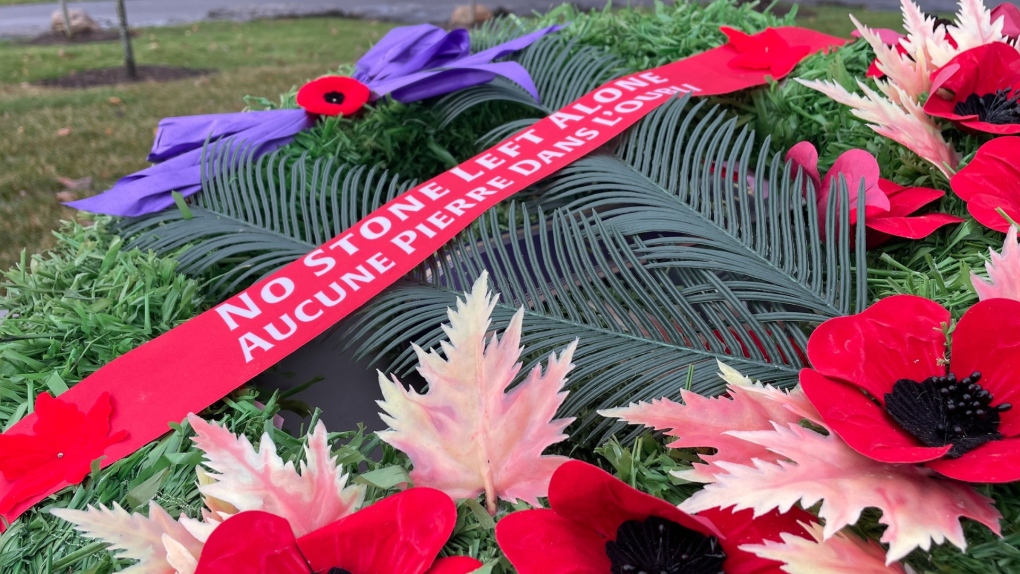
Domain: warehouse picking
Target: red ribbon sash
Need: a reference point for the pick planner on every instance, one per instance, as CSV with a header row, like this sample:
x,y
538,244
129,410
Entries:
x,y
203,360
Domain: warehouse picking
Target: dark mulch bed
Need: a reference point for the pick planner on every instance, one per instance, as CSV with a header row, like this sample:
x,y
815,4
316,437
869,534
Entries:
x,y
111,76
54,39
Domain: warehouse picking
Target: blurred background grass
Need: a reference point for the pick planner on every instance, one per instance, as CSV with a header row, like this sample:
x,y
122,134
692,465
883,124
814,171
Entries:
x,y
105,133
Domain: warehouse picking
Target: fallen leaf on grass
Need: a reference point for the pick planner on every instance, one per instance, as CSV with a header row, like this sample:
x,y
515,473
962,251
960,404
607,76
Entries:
x,y
115,101
75,184
63,132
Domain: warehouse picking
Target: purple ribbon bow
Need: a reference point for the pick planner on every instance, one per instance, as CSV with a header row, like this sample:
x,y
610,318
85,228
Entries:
x,y
413,63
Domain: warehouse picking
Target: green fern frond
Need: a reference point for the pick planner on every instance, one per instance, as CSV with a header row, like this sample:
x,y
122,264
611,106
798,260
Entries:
x,y
660,262
562,72
257,215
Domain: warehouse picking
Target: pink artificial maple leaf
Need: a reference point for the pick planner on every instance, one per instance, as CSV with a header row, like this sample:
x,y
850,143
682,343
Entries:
x,y
896,115
467,435
260,480
159,543
843,553
917,506
1003,272
705,421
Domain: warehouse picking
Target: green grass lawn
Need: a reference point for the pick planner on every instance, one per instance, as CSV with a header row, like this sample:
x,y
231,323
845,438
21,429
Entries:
x,y
105,133
835,20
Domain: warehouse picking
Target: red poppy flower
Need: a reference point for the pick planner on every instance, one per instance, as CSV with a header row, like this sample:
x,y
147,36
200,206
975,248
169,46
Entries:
x,y
61,448
979,89
333,96
598,524
887,205
400,534
1010,15
956,419
764,51
991,181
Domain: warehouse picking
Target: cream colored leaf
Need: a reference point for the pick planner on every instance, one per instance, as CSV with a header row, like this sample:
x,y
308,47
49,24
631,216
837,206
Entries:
x,y
705,421
467,434
136,536
250,479
179,557
897,117
917,506
911,76
974,27
921,35
843,553
1003,272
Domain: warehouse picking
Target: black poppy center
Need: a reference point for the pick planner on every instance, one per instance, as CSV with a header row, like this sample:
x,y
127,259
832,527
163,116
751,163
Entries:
x,y
333,97
660,546
1002,107
942,411
338,571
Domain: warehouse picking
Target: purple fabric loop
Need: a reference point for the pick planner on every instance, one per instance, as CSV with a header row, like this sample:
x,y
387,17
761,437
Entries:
x,y
178,146
413,63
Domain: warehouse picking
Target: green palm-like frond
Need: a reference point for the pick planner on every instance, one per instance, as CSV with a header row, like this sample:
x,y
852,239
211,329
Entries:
x,y
257,215
561,70
660,262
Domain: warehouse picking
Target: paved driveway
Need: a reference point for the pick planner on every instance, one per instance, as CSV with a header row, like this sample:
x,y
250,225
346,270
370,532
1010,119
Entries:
x,y
33,19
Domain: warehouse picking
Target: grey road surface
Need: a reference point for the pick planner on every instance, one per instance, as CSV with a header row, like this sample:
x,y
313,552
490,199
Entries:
x,y
34,19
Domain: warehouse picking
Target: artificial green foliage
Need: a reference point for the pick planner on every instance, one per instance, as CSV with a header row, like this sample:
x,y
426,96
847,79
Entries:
x,y
254,218
666,33
80,306
658,264
409,139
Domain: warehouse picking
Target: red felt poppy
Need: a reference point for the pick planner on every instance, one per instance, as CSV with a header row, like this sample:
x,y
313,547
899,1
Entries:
x,y
400,534
766,50
979,89
887,205
598,524
956,419
991,181
333,96
63,443
1010,15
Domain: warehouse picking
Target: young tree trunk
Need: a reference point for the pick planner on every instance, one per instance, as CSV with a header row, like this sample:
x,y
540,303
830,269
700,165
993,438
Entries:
x,y
67,19
125,38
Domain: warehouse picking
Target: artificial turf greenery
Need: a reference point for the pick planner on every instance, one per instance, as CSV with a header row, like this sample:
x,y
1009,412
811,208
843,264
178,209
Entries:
x,y
89,300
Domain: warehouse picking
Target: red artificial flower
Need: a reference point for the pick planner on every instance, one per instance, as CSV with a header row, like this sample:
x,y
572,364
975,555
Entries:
x,y
880,380
764,51
400,534
991,181
887,205
1010,15
979,89
597,524
333,96
63,443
